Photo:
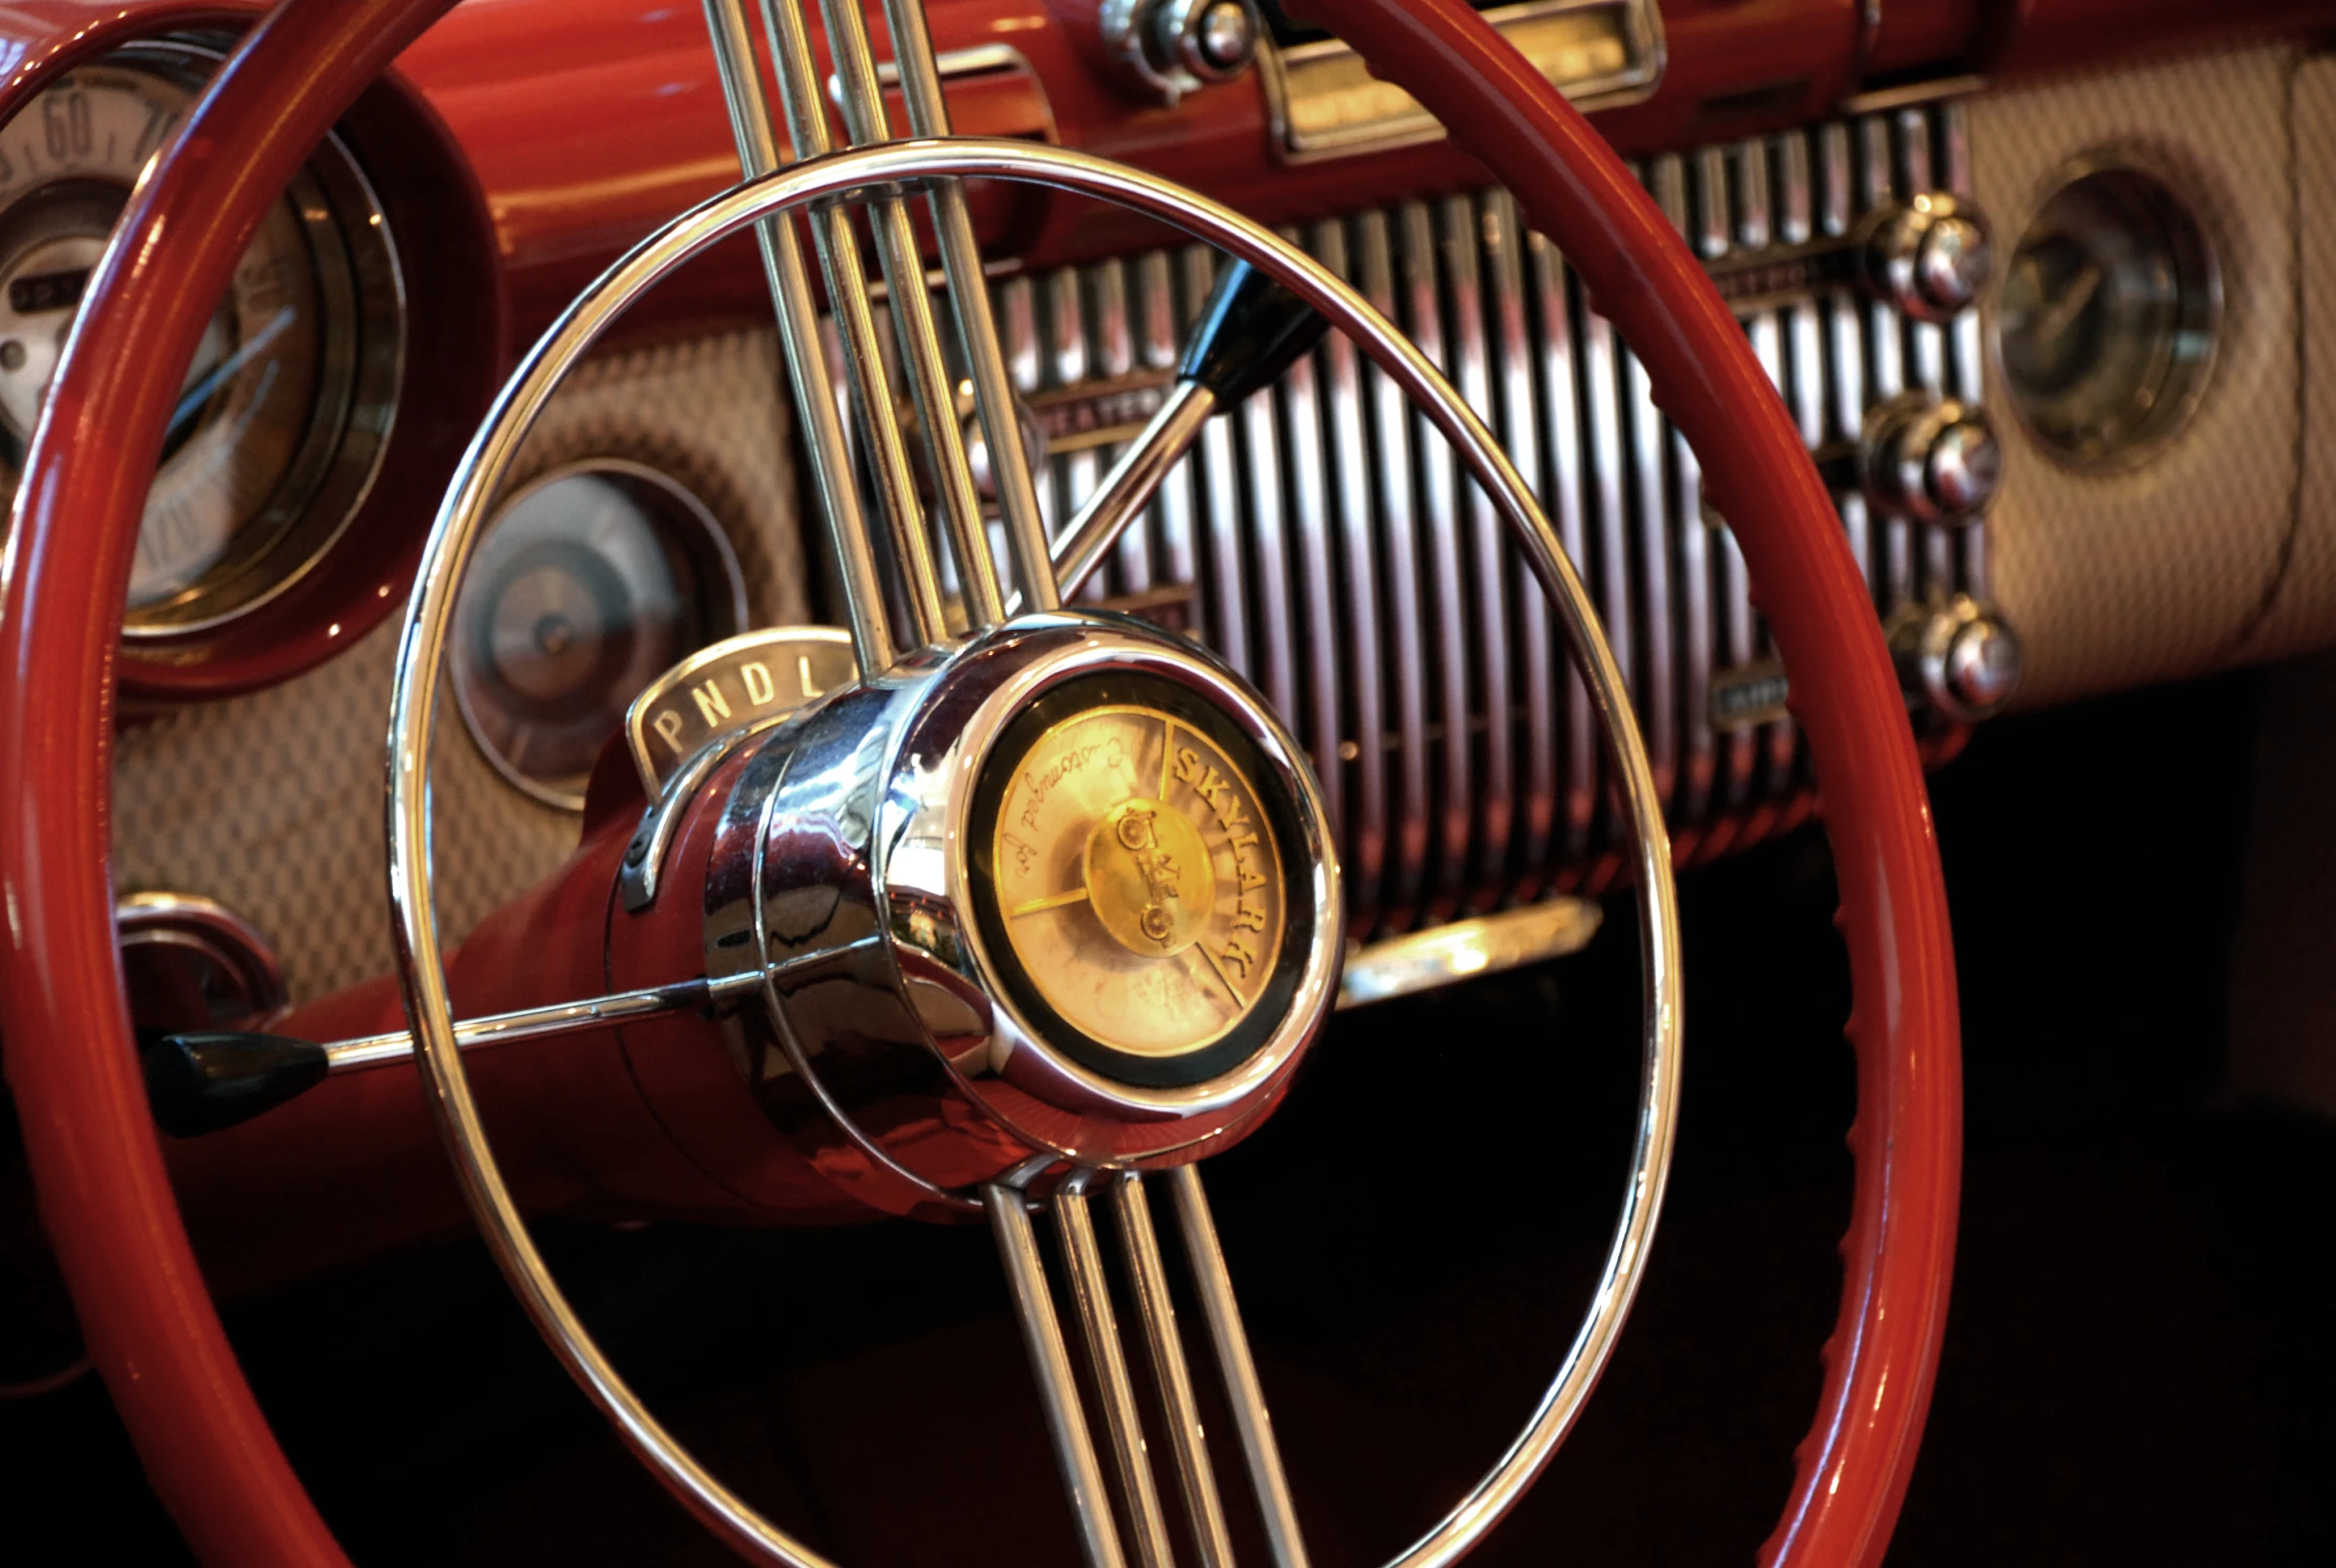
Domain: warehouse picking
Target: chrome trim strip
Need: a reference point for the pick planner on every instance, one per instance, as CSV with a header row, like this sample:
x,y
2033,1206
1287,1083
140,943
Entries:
x,y
1471,367
1533,650
1423,318
1323,715
1390,418
1563,490
1324,104
1468,949
1269,531
1650,549
1365,826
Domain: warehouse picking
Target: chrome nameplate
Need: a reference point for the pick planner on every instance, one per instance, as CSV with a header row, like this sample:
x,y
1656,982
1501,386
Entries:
x,y
730,688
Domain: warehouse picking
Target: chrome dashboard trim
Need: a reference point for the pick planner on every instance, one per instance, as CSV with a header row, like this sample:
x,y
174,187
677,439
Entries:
x,y
1468,949
1324,104
1410,638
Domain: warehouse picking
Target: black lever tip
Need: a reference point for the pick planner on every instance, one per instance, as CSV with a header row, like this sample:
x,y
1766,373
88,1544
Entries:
x,y
1250,331
199,1083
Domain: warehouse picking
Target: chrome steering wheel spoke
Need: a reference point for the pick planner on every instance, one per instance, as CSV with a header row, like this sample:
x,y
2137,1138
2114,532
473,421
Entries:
x,y
1107,1359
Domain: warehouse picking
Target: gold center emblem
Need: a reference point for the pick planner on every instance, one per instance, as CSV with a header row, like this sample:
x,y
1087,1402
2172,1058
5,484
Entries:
x,y
1139,881
1149,877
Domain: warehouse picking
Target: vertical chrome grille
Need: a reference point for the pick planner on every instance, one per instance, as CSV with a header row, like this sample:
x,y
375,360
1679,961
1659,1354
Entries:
x,y
1322,539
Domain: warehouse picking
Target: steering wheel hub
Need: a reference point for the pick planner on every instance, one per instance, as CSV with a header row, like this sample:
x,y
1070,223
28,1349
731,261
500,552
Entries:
x,y
1071,873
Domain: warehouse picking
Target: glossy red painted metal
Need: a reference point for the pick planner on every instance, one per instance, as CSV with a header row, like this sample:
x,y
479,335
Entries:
x,y
105,1195
1899,1253
570,189
1915,36
353,1167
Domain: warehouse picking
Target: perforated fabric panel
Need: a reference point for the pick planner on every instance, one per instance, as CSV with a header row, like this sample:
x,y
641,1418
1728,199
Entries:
x,y
273,802
2117,579
2302,612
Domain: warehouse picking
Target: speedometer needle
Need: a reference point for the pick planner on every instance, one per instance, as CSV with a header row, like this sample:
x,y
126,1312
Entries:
x,y
201,391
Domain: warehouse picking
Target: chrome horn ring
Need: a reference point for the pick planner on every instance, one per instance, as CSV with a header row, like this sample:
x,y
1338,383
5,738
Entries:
x,y
488,461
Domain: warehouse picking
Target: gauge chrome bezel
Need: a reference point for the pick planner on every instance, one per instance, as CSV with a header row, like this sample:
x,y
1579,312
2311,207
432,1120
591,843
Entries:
x,y
2185,372
361,304
709,545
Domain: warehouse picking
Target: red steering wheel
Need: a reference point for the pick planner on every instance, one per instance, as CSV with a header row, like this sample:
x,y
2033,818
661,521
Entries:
x,y
105,1197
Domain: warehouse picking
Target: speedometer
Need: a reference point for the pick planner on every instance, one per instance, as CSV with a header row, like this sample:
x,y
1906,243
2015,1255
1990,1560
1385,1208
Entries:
x,y
283,414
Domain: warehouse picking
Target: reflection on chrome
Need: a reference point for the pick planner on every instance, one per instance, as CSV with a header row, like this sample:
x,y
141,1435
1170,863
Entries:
x,y
1467,949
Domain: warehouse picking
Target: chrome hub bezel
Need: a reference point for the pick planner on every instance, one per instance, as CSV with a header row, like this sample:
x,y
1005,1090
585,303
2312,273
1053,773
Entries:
x,y
843,867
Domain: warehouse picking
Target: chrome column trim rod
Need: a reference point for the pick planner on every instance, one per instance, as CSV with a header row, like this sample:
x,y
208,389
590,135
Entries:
x,y
868,125
985,361
837,244
751,128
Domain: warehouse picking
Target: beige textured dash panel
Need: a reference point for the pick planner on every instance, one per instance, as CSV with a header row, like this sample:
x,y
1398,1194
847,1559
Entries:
x,y
2120,579
273,802
2302,614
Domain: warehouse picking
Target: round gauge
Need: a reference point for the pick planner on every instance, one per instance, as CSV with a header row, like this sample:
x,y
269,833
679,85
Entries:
x,y
588,584
2108,319
283,412
1139,886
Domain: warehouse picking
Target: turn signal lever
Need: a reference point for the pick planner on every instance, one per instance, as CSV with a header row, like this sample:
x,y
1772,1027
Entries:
x,y
1250,331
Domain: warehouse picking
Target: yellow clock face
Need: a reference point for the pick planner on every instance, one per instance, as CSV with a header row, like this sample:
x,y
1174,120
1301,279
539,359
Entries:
x,y
1137,881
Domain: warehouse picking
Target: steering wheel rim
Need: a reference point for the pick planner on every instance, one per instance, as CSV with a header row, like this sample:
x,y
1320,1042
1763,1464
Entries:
x,y
104,1190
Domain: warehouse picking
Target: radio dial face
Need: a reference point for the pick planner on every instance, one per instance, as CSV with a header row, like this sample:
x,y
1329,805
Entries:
x,y
1138,884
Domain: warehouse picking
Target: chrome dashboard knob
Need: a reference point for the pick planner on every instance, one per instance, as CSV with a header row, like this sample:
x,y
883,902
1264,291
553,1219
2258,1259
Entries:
x,y
1215,40
1174,47
1929,459
1931,257
1962,658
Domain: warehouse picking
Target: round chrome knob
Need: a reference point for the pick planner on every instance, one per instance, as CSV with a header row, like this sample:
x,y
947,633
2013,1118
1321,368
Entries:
x,y
1217,41
1934,462
1961,658
1931,257
1174,47
1211,41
